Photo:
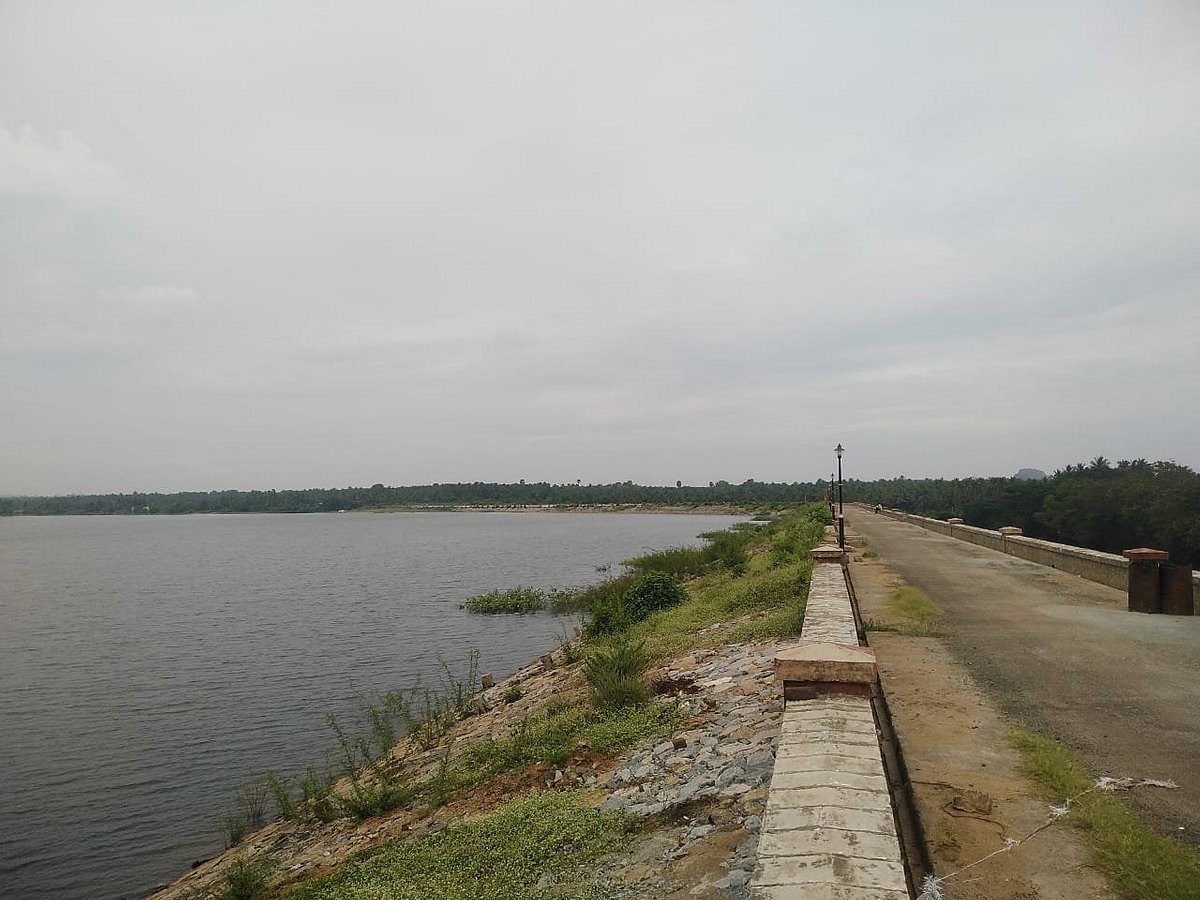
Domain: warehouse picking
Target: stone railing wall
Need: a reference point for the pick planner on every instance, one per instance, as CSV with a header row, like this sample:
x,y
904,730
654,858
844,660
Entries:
x,y
1102,568
829,829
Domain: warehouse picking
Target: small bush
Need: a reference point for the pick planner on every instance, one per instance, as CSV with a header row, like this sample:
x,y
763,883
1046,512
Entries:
x,y
245,878
252,803
616,675
609,616
513,694
652,592
590,597
232,829
281,792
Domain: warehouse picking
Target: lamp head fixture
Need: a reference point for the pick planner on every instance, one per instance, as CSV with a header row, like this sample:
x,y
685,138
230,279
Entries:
x,y
839,450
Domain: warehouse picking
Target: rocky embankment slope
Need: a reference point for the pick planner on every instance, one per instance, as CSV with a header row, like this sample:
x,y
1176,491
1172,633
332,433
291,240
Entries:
x,y
697,793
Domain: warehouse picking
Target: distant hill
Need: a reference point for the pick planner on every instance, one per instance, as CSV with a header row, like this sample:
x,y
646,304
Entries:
x,y
1029,475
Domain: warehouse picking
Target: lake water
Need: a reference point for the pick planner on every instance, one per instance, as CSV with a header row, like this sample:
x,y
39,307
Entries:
x,y
151,665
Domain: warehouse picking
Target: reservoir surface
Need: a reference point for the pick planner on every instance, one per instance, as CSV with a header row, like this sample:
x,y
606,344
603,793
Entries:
x,y
150,665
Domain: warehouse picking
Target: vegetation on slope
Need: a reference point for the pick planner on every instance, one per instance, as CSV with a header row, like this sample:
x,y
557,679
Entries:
x,y
753,586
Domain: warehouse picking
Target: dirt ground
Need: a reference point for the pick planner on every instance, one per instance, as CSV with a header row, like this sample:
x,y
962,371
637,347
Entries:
x,y
1027,646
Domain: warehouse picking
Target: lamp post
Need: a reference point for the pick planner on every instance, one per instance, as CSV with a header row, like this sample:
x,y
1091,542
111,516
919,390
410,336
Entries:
x,y
839,450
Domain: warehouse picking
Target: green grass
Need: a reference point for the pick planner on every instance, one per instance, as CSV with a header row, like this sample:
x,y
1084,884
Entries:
x,y
512,600
537,847
1140,864
776,595
682,562
554,734
920,617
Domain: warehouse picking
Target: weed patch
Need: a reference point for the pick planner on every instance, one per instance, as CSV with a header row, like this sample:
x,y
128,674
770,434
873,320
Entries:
x,y
513,600
920,616
537,846
1140,864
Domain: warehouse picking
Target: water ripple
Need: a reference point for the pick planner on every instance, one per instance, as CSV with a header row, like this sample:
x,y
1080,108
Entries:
x,y
149,666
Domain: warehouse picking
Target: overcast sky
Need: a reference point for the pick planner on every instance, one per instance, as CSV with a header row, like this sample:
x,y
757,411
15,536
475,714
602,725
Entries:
x,y
287,244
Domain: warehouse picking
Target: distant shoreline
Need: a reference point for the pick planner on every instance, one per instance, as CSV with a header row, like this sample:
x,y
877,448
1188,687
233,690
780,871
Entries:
x,y
714,509
647,508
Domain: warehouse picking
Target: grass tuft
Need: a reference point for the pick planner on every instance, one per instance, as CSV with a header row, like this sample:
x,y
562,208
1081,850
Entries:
x,y
616,675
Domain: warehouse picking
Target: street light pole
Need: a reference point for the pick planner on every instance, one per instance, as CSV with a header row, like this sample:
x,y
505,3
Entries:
x,y
839,450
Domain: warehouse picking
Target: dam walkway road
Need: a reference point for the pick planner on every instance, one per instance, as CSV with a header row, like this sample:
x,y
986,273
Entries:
x,y
1063,657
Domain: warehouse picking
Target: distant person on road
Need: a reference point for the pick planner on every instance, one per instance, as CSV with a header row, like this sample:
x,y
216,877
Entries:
x,y
878,508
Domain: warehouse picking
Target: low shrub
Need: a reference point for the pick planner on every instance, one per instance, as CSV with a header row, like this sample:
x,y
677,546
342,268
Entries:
x,y
245,878
232,828
609,616
613,613
652,592
368,799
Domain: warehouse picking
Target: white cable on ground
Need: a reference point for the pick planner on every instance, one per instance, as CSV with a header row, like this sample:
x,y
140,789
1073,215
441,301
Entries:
x,y
931,887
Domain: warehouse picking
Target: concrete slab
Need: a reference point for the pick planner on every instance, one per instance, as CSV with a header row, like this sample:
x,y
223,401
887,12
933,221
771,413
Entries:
x,y
823,795
872,820
839,748
836,841
841,736
823,892
787,781
823,661
829,762
831,870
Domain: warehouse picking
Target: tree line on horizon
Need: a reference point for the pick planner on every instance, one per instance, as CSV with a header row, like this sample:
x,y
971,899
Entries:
x,y
1099,505
1135,503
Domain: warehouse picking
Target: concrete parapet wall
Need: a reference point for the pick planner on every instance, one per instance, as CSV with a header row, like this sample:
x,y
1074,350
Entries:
x,y
829,830
984,537
1102,568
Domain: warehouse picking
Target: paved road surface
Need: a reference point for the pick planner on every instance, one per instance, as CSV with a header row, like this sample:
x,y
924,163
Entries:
x,y
1063,657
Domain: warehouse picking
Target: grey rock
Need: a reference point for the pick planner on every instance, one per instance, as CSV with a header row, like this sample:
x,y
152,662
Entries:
x,y
730,775
733,881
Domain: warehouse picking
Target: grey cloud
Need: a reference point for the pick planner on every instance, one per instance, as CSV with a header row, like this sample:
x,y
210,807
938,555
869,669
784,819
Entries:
x,y
291,244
